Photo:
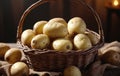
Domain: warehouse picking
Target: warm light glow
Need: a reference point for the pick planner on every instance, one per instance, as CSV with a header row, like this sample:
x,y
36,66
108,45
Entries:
x,y
115,3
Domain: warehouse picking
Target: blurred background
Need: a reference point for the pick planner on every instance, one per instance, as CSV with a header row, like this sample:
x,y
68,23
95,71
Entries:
x,y
11,11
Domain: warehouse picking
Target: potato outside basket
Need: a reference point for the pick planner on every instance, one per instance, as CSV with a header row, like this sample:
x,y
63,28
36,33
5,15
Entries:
x,y
49,60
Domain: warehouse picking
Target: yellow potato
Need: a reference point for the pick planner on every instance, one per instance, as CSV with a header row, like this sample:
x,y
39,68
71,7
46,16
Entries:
x,y
76,25
55,29
27,36
72,71
13,55
93,38
60,20
38,27
62,45
40,41
19,69
3,49
82,42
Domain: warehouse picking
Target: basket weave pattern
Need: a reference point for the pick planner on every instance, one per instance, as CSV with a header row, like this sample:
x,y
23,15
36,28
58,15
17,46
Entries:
x,y
56,61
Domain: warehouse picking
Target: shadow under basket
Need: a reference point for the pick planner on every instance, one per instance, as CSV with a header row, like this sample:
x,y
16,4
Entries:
x,y
50,60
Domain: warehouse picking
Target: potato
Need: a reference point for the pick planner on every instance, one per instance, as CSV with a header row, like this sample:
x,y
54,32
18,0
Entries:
x,y
76,25
62,45
38,27
111,57
19,69
55,30
72,71
27,36
93,38
82,42
13,55
40,41
3,49
60,20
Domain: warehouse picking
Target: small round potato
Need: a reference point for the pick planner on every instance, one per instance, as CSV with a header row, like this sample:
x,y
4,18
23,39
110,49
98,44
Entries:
x,y
38,27
62,45
93,38
19,69
111,57
27,36
55,30
82,42
60,20
3,49
40,41
76,25
72,71
13,55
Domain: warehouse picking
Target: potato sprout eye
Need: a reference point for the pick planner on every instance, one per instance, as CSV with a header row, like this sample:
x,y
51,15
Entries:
x,y
116,56
34,41
68,47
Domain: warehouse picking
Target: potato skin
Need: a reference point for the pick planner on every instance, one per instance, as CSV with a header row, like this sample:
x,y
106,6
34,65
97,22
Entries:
x,y
76,25
55,30
62,45
38,27
27,36
60,20
93,38
13,55
82,42
40,41
111,57
3,49
19,69
72,71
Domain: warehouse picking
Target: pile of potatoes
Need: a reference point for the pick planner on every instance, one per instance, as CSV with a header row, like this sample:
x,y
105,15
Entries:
x,y
12,56
59,35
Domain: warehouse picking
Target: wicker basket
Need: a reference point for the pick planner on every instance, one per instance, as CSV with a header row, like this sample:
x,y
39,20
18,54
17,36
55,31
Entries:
x,y
49,60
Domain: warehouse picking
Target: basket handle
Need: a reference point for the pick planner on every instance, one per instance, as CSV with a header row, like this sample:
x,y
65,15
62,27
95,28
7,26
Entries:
x,y
24,15
39,2
100,29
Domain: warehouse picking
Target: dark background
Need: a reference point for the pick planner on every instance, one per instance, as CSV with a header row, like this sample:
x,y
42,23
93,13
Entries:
x,y
11,11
